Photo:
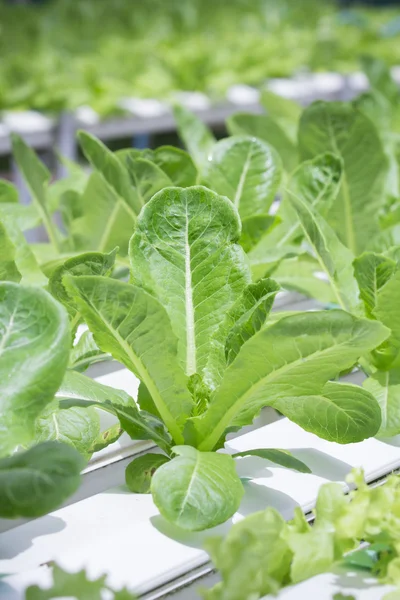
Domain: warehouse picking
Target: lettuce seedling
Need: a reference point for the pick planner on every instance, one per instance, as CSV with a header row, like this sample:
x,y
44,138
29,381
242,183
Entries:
x,y
193,328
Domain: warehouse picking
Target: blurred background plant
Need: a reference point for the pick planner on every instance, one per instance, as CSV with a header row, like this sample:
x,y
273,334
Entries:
x,y
58,54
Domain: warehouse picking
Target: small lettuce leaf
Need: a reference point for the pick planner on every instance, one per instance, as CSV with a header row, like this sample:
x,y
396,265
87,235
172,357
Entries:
x,y
249,314
112,169
139,472
246,170
334,258
24,215
286,111
184,253
134,328
90,263
385,387
8,193
147,178
98,219
176,164
139,425
269,130
86,353
197,490
78,386
196,136
24,258
37,178
37,481
341,413
34,347
288,363
372,271
339,128
387,311
106,438
253,559
313,553
317,183
255,228
8,268
284,458
77,427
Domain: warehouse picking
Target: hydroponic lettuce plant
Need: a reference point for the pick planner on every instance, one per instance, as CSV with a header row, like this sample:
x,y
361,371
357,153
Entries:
x,y
34,348
263,553
193,328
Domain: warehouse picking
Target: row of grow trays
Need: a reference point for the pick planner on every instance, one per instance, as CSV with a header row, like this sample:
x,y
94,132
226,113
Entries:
x,y
327,171
153,116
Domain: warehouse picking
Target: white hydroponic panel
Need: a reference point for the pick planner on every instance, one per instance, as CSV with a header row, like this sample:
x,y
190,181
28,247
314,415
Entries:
x,y
122,534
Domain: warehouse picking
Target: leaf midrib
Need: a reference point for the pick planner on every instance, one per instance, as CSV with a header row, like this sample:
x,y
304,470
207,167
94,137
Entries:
x,y
191,361
242,179
192,479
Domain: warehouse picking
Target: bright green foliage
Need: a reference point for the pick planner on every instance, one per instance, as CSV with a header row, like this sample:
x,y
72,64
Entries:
x,y
334,258
76,585
85,352
8,268
196,136
106,163
269,130
36,481
183,252
77,427
344,131
23,256
90,263
316,182
37,178
135,338
197,488
263,553
273,362
372,271
51,56
247,171
34,346
140,471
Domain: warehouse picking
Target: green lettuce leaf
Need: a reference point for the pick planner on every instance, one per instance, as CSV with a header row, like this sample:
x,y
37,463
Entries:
x,y
37,481
341,129
134,328
183,252
269,130
197,490
246,170
196,136
273,368
139,472
34,349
